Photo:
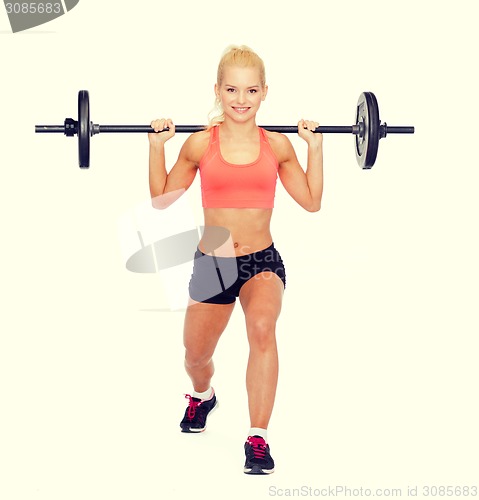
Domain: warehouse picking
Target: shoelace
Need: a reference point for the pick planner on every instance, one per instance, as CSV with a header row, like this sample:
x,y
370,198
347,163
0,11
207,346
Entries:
x,y
259,446
192,406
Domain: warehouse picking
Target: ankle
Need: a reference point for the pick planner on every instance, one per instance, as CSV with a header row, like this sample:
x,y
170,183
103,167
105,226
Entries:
x,y
205,395
259,431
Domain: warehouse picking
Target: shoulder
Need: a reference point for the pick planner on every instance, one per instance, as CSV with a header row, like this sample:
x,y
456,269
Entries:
x,y
281,146
196,145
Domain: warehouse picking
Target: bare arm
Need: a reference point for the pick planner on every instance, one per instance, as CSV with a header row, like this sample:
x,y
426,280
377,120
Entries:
x,y
181,176
306,188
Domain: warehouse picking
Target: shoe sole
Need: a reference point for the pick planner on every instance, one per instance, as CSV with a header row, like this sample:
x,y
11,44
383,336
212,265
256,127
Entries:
x,y
257,470
192,430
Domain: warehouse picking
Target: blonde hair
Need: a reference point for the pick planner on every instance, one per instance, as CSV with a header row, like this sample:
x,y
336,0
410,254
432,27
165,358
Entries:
x,y
235,55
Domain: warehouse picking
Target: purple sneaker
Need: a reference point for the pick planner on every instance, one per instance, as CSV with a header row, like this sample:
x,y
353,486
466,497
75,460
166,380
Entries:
x,y
197,413
258,459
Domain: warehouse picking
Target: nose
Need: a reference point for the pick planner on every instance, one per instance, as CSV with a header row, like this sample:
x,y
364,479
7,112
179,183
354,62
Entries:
x,y
241,97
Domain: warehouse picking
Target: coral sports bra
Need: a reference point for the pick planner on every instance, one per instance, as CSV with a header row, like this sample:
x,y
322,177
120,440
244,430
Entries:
x,y
227,185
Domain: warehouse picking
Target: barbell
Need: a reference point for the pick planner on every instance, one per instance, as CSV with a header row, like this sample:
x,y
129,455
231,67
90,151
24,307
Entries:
x,y
367,130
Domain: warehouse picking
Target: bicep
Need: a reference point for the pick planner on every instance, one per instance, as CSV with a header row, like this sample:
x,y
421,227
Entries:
x,y
183,173
292,175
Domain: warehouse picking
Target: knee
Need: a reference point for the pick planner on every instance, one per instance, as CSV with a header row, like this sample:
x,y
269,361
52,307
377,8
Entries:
x,y
196,360
261,332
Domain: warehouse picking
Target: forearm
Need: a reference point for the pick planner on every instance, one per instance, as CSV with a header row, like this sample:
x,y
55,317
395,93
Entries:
x,y
314,174
157,170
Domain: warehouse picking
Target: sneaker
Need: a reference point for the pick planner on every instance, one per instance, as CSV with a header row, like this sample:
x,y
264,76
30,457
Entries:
x,y
258,459
197,412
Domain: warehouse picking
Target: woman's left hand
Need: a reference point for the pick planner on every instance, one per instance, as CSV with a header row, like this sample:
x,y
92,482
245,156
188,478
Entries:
x,y
305,131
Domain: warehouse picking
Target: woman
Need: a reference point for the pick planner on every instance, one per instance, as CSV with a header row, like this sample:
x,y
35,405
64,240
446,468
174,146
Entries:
x,y
239,164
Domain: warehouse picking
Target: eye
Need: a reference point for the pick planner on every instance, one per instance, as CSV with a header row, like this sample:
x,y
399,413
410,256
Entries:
x,y
231,90
253,91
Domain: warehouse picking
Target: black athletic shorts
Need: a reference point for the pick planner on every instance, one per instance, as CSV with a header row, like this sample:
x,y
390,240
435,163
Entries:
x,y
218,280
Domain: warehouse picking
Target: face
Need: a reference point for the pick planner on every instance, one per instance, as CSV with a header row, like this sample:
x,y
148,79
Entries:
x,y
241,92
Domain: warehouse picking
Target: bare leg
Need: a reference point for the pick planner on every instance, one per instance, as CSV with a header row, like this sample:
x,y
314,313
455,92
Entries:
x,y
261,299
204,324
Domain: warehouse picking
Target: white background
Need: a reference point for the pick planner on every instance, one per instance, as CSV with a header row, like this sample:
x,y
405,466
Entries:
x,y
378,334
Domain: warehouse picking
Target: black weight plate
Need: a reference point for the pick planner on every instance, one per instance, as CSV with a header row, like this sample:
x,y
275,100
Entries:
x,y
84,129
367,117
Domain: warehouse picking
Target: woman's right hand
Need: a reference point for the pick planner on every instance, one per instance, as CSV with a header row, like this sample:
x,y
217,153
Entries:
x,y
159,137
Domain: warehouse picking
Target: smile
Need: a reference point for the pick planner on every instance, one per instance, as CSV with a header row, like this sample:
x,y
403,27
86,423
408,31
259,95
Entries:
x,y
241,110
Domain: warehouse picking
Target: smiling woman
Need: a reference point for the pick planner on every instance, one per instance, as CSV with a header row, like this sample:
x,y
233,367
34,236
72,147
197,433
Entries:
x,y
239,164
240,95
234,58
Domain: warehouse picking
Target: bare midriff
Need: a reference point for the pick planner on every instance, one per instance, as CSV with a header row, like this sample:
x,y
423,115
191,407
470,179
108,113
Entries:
x,y
231,232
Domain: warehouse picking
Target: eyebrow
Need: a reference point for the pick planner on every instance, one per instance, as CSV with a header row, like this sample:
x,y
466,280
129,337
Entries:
x,y
251,87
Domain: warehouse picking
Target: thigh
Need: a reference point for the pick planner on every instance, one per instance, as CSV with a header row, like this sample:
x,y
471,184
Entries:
x,y
204,324
261,298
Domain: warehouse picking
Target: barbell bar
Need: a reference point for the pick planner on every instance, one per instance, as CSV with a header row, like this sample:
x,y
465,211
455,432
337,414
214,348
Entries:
x,y
367,130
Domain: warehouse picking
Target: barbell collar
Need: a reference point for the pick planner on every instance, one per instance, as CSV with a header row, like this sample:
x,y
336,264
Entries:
x,y
70,127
